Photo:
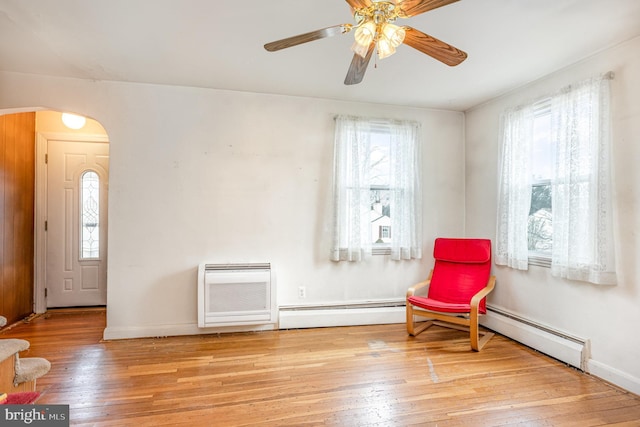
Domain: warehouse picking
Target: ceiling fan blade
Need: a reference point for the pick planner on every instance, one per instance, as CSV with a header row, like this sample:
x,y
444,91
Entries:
x,y
358,67
308,37
416,7
438,49
359,4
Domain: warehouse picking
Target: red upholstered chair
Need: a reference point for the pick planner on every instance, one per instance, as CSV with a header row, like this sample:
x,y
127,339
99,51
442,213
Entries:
x,y
455,290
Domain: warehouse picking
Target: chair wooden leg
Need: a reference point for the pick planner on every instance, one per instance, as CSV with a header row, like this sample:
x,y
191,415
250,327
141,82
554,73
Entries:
x,y
423,326
411,326
473,335
410,322
486,336
478,338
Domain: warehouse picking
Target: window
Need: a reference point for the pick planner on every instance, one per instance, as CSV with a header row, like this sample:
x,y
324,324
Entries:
x,y
384,233
554,194
90,215
377,191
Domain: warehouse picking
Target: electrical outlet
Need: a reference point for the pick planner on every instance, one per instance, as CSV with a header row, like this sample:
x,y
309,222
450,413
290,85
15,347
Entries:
x,y
302,292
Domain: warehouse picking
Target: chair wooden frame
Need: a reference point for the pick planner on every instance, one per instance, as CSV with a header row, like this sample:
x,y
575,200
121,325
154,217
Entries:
x,y
467,322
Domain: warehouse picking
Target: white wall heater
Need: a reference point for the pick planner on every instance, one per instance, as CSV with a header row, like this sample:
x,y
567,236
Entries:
x,y
236,294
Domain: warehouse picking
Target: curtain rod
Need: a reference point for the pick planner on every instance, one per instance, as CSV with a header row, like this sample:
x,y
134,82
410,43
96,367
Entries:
x,y
539,102
377,121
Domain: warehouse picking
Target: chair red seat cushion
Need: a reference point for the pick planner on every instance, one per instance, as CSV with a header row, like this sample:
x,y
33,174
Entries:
x,y
439,306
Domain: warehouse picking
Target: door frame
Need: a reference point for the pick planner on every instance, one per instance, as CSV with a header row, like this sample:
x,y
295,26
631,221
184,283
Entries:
x,y
41,213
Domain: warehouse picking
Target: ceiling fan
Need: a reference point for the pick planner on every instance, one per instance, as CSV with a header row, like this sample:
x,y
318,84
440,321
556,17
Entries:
x,y
374,28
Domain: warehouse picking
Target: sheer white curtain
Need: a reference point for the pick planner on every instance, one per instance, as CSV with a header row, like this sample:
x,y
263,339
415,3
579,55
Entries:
x,y
405,187
352,239
351,190
514,192
581,189
582,216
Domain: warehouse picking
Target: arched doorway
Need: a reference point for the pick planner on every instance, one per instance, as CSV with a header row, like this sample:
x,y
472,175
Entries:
x,y
72,173
88,228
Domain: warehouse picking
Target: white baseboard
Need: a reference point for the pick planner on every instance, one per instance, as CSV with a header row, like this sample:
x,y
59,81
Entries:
x,y
326,317
567,350
293,319
614,376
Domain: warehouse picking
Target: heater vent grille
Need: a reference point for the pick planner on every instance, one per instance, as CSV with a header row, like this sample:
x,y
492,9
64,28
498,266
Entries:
x,y
236,294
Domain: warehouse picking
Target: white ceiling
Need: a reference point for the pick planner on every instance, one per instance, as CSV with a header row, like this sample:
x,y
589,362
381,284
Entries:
x,y
216,44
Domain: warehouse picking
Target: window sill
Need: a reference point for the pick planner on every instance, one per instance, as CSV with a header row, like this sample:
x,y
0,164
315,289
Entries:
x,y
381,250
540,260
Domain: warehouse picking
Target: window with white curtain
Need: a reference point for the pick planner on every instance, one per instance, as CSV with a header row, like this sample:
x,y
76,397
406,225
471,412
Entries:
x,y
377,189
555,186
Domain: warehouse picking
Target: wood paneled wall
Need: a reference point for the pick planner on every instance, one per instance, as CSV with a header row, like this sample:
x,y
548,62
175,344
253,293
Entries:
x,y
17,191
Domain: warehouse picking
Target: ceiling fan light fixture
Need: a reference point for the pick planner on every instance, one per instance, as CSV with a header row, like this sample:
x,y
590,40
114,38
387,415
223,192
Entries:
x,y
394,34
385,48
365,33
359,49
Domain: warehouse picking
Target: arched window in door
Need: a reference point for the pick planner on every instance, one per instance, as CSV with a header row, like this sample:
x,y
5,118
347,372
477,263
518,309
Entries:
x,y
89,215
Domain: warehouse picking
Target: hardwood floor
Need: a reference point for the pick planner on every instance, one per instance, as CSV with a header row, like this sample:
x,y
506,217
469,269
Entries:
x,y
349,376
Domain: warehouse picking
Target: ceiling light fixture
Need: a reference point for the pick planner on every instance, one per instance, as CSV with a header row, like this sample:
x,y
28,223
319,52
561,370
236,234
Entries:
x,y
73,121
374,24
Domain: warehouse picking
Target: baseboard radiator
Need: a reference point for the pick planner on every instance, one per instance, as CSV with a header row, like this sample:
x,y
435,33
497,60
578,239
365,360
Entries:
x,y
236,294
567,348
371,312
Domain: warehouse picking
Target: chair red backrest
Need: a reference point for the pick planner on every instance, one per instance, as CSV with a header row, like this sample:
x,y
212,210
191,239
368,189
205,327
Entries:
x,y
462,267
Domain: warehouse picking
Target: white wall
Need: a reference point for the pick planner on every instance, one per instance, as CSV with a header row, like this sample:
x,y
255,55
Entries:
x,y
608,316
206,175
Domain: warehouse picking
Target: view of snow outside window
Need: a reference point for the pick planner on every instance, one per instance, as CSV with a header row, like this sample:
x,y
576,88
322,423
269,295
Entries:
x,y
540,226
380,201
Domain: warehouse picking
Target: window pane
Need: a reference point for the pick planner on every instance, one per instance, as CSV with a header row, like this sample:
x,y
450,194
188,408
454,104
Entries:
x,y
379,181
543,150
90,215
379,159
540,226
380,216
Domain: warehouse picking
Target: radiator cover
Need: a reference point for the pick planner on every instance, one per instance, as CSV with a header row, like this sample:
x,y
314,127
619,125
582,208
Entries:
x,y
236,294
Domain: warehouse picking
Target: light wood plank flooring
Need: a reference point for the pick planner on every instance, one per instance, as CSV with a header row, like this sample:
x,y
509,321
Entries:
x,y
349,376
